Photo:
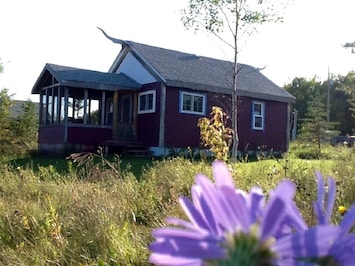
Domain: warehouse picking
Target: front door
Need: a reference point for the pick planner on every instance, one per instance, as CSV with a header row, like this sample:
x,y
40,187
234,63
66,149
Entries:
x,y
125,118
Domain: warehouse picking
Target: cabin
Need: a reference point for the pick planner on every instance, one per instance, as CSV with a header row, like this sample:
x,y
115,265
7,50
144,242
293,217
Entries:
x,y
153,97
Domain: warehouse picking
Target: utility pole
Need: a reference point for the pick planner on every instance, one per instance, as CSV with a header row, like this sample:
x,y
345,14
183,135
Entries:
x,y
294,125
328,98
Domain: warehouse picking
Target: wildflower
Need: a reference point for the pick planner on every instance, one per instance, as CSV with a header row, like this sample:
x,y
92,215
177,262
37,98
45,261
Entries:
x,y
343,247
231,227
342,210
323,213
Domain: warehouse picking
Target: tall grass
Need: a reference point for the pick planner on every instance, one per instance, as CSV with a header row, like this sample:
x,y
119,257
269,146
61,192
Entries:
x,y
103,214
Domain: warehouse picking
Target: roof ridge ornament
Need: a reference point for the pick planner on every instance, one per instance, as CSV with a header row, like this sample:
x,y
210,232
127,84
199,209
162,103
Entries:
x,y
119,41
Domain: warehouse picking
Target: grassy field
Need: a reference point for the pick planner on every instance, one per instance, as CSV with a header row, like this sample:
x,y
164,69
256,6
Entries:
x,y
62,165
54,212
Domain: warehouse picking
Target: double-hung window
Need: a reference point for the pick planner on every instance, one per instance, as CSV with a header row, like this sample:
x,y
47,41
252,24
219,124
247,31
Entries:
x,y
258,115
192,103
146,102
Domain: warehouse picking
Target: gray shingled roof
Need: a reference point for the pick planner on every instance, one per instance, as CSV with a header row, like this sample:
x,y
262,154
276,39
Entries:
x,y
16,108
204,73
176,69
82,78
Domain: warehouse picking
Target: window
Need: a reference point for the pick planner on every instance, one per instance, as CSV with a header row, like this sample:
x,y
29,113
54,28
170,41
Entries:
x,y
146,102
258,115
192,103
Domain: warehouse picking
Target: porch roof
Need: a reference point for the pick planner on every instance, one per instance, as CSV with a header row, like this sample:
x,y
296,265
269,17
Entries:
x,y
83,78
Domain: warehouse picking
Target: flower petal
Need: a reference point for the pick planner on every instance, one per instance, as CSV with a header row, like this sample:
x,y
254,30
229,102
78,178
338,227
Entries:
x,y
186,244
222,175
203,208
286,190
313,242
343,250
192,213
186,225
349,220
167,259
319,203
239,214
214,203
330,200
256,201
273,218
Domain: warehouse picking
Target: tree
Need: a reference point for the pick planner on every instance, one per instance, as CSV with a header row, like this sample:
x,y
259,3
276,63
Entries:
x,y
17,134
347,84
215,135
340,106
5,104
304,90
6,134
350,45
25,125
315,126
238,18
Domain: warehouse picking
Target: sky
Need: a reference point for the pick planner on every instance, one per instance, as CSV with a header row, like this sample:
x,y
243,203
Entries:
x,y
32,33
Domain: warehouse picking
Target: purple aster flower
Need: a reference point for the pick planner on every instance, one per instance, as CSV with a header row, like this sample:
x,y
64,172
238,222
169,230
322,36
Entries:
x,y
323,206
231,227
343,248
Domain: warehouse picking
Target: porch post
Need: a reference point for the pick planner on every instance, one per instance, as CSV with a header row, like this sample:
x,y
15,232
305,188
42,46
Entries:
x,y
288,128
41,107
47,109
162,115
52,107
58,104
103,103
85,116
135,108
66,106
115,115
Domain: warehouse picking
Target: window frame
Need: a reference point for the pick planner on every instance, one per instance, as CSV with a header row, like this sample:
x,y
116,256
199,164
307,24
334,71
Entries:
x,y
257,115
193,94
144,93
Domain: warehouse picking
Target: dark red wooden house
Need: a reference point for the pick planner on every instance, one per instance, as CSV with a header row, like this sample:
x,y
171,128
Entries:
x,y
154,97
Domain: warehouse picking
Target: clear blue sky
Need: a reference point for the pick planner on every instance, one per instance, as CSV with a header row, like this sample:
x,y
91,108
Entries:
x,y
65,32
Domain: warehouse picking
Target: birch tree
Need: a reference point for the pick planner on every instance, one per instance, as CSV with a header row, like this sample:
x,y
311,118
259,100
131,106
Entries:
x,y
228,21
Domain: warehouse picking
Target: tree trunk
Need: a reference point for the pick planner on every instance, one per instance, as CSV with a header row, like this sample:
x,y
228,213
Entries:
x,y
234,92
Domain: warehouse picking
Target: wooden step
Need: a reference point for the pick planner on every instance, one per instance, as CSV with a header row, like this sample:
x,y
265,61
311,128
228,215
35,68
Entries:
x,y
139,151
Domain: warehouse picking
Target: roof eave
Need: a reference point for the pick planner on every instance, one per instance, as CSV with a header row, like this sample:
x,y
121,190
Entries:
x,y
96,86
45,68
215,89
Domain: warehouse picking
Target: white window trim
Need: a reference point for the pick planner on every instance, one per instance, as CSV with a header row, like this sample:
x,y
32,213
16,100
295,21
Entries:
x,y
192,94
139,102
262,115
